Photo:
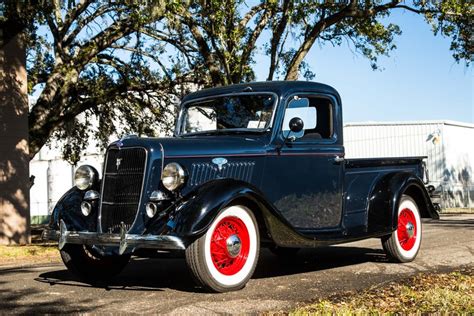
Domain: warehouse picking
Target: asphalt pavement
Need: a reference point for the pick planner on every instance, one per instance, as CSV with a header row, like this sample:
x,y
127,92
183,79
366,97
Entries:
x,y
165,286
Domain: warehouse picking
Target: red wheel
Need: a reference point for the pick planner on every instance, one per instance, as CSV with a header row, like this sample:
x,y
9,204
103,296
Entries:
x,y
404,243
407,230
230,245
225,257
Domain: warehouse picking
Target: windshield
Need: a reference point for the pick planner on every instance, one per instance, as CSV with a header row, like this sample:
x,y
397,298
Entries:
x,y
242,112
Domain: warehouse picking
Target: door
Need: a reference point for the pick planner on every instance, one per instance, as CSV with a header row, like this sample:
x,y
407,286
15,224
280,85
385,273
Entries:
x,y
303,178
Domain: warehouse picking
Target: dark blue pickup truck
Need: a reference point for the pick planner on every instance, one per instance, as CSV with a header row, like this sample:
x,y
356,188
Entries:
x,y
250,166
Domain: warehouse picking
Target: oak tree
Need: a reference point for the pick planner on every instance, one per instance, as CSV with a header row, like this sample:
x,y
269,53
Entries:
x,y
124,62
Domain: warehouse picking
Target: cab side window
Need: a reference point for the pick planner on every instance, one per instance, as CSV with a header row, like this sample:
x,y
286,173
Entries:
x,y
308,118
324,119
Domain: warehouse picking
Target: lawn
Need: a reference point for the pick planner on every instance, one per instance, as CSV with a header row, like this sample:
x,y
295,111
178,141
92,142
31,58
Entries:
x,y
29,254
423,294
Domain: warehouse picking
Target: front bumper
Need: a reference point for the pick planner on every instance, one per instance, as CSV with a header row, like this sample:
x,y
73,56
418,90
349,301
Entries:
x,y
122,240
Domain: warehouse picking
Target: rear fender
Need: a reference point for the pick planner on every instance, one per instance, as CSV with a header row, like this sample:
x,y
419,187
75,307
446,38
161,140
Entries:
x,y
385,197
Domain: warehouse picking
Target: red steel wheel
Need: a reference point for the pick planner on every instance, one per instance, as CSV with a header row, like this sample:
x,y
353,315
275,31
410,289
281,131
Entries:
x,y
406,231
230,245
404,243
224,258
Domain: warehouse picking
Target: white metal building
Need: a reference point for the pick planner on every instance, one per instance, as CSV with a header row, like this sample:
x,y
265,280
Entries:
x,y
449,146
53,177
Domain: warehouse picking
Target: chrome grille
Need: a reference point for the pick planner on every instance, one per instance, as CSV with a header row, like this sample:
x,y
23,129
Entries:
x,y
203,172
122,187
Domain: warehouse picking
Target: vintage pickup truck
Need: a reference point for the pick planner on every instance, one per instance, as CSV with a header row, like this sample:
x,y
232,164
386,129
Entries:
x,y
249,166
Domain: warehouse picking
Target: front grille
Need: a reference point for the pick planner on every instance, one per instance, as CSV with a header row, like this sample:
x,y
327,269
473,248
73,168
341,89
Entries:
x,y
203,172
122,187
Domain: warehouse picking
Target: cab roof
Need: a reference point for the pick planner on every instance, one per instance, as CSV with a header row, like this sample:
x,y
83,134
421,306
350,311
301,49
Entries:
x,y
281,88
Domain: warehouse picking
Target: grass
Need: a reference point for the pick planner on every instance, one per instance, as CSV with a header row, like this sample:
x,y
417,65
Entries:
x,y
423,294
28,254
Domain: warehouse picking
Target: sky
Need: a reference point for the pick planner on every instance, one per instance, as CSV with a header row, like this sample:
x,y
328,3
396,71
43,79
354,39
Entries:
x,y
419,81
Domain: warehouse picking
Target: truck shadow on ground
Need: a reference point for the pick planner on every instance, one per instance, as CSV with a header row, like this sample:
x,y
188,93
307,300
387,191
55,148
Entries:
x,y
20,302
172,273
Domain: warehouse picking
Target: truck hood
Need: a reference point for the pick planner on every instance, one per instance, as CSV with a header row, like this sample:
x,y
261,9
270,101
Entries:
x,y
200,145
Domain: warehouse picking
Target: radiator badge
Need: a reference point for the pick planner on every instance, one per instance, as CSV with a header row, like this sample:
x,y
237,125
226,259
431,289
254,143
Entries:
x,y
220,162
118,162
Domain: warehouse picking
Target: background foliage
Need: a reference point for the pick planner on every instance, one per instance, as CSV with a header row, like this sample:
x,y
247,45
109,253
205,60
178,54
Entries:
x,y
123,63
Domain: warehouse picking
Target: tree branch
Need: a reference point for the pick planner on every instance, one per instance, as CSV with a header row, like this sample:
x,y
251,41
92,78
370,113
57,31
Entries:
x,y
249,46
73,14
184,47
247,17
276,37
216,76
81,23
408,8
293,68
349,11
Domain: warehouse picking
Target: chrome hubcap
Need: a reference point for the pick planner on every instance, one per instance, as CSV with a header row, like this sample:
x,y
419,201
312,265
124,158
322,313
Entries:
x,y
410,229
233,245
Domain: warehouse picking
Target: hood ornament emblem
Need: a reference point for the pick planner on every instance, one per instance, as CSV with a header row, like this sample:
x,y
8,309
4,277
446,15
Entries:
x,y
118,143
118,162
220,162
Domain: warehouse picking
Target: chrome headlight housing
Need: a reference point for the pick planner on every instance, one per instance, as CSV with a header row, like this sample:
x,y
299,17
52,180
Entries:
x,y
173,176
85,177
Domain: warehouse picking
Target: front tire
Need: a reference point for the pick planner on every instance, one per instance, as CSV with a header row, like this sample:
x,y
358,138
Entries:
x,y
404,243
89,264
225,258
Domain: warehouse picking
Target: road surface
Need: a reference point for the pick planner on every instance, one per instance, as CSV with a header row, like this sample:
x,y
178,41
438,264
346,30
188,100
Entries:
x,y
165,286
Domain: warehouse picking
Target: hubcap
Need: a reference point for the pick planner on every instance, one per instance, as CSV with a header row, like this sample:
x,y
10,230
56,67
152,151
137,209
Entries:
x,y
230,245
233,245
407,230
410,229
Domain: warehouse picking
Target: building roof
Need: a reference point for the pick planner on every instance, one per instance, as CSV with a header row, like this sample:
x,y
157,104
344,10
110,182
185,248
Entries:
x,y
421,122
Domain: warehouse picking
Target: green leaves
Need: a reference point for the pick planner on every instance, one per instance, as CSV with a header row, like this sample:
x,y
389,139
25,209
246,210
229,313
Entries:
x,y
453,19
125,64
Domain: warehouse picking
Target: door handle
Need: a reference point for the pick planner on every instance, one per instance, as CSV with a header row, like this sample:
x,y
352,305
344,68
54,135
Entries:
x,y
338,159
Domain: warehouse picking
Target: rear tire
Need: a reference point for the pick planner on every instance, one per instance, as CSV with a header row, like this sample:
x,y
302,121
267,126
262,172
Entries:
x,y
404,243
88,264
225,258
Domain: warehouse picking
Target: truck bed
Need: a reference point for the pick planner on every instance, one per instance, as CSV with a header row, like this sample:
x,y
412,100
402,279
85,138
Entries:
x,y
362,174
384,162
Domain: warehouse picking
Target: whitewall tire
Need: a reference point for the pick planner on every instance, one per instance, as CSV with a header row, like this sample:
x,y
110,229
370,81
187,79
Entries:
x,y
404,243
225,258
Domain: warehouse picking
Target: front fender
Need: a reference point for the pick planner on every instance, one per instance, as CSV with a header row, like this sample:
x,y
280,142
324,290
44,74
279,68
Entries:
x,y
195,213
385,197
68,208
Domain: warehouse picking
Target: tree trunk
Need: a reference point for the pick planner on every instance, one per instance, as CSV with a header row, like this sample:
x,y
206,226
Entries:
x,y
294,66
14,160
293,70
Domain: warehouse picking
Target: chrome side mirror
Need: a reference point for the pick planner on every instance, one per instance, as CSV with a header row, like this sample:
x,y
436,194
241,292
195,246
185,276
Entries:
x,y
296,125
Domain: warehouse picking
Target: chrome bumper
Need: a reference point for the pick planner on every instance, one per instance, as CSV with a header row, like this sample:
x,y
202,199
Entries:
x,y
122,240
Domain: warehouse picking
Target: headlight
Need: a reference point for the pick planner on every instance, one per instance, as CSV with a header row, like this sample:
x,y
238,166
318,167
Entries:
x,y
173,176
85,177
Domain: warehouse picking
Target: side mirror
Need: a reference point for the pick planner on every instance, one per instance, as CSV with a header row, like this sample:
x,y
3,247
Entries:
x,y
296,125
296,120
